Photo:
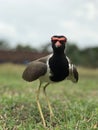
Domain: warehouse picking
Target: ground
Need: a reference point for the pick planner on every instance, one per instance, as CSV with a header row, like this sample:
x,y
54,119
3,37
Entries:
x,y
75,106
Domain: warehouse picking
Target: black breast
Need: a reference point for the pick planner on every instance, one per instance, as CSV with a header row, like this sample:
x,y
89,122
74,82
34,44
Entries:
x,y
59,68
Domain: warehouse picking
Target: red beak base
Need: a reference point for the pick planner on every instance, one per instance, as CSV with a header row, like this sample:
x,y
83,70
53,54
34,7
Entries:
x,y
58,44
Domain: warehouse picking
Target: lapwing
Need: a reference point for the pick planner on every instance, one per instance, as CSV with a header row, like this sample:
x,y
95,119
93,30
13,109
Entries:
x,y
50,69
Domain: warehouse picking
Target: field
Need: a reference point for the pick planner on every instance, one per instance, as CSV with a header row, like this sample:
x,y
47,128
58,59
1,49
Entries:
x,y
75,106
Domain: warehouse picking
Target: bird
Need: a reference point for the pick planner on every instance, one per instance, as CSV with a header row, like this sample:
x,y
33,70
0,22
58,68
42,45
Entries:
x,y
52,68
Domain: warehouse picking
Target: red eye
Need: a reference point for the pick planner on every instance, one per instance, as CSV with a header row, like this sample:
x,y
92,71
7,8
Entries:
x,y
62,41
54,41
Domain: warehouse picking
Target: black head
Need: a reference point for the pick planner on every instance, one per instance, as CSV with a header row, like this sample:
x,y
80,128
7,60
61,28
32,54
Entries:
x,y
58,43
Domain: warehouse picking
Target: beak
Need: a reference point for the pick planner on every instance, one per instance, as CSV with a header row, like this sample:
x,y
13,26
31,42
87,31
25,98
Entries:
x,y
58,44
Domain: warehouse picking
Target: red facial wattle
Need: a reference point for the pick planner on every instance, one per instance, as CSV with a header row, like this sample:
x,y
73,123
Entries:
x,y
58,42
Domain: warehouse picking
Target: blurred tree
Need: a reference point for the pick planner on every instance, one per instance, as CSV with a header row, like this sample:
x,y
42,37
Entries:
x,y
46,48
87,57
4,45
90,57
20,47
73,52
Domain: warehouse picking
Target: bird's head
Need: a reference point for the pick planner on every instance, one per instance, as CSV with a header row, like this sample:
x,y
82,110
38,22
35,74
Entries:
x,y
58,43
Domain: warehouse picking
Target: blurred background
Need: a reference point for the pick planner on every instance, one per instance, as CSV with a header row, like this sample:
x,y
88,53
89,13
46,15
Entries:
x,y
26,28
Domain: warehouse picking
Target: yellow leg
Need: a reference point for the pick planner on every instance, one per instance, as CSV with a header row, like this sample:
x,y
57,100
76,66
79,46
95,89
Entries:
x,y
39,106
49,105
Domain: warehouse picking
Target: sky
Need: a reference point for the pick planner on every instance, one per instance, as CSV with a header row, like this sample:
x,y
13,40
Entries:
x,y
34,22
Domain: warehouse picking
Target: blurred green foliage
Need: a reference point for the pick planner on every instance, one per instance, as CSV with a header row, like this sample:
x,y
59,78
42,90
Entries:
x,y
87,57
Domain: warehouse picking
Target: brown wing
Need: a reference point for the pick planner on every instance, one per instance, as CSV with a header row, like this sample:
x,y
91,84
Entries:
x,y
34,70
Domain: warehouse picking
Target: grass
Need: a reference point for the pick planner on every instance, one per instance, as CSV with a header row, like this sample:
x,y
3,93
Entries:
x,y
75,106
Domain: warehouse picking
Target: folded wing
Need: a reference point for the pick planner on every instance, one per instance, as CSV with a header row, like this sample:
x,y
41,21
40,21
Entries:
x,y
34,70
